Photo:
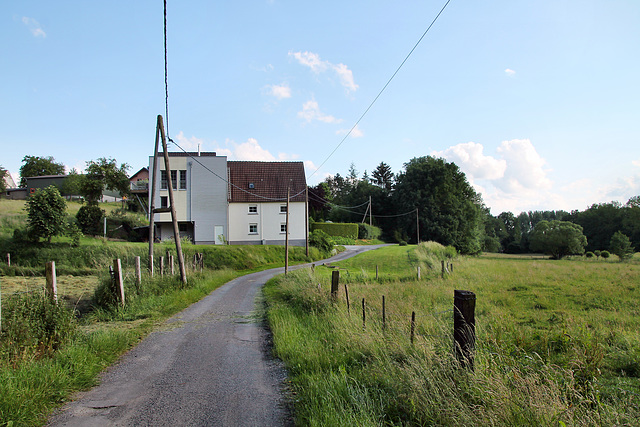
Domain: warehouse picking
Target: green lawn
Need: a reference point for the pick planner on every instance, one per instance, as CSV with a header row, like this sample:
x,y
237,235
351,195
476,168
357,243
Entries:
x,y
557,342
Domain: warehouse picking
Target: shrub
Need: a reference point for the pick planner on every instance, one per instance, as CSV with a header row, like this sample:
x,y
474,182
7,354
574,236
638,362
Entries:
x,y
589,254
605,254
321,240
343,241
621,246
349,230
402,243
368,232
89,218
597,253
46,213
34,325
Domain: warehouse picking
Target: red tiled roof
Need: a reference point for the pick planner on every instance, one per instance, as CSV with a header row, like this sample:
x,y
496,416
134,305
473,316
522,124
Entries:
x,y
269,180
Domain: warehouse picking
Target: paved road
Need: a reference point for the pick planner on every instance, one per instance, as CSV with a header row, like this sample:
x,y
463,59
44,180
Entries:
x,y
210,365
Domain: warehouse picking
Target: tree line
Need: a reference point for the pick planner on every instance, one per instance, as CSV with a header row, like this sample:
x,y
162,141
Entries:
x,y
432,198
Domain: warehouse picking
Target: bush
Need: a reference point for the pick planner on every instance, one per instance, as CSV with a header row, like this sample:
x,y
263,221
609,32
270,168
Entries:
x,y
402,243
348,230
368,232
89,218
605,254
589,254
34,325
321,240
343,241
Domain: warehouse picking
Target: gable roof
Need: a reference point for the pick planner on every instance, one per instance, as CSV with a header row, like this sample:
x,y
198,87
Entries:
x,y
269,180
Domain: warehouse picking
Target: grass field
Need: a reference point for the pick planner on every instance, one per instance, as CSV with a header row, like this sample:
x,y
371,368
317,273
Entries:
x,y
558,342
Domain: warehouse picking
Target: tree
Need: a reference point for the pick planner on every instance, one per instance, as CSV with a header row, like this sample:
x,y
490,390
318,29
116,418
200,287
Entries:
x,y
448,206
3,185
557,238
71,184
46,213
621,245
382,176
39,166
104,174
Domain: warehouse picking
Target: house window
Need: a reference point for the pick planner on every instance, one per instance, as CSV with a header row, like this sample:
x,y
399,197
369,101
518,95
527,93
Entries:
x,y
253,228
252,185
163,180
253,209
283,228
174,179
183,179
283,208
164,201
182,228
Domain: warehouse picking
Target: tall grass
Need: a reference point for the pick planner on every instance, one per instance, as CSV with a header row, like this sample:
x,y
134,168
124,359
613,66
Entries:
x,y
557,343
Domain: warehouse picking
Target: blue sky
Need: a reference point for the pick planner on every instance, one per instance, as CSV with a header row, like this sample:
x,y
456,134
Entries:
x,y
537,102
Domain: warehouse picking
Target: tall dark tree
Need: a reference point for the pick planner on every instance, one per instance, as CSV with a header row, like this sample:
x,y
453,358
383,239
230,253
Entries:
x,y
449,208
104,174
382,176
3,185
39,166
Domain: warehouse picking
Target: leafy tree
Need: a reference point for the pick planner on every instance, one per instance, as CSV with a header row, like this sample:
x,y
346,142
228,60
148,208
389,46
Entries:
x,y
104,174
449,208
46,213
382,176
605,254
621,245
39,166
71,184
558,238
89,218
3,185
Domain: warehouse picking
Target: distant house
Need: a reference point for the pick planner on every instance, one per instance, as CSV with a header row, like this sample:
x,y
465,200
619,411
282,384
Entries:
x,y
220,202
139,181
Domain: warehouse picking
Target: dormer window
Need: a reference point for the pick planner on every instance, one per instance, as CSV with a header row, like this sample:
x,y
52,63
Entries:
x,y
252,185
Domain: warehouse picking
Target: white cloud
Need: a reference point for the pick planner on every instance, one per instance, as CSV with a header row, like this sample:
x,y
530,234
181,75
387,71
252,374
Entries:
x,y
355,133
189,144
279,91
249,150
509,72
34,27
470,158
317,65
311,111
636,163
524,167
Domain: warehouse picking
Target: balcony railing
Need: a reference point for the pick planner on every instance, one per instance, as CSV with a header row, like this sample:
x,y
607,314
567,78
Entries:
x,y
142,185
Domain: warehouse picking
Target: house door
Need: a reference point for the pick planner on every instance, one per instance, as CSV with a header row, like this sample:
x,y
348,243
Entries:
x,y
219,234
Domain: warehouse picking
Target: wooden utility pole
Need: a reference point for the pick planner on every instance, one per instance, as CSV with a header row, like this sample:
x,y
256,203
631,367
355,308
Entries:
x,y
286,238
172,208
418,225
370,213
306,221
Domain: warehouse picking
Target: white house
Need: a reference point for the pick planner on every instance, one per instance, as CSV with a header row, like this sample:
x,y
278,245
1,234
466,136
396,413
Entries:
x,y
218,201
258,203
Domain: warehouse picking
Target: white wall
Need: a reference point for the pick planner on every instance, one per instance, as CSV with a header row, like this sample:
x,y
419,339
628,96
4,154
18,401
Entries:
x,y
268,220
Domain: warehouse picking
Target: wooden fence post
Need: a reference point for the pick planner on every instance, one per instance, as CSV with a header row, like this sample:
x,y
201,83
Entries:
x,y
138,271
413,326
464,327
8,259
171,265
201,261
117,271
364,315
451,265
151,265
443,269
52,281
346,293
161,267
384,314
335,282
376,271
418,272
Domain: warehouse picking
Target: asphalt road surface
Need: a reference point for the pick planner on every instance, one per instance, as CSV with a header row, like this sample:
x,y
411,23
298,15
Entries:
x,y
210,365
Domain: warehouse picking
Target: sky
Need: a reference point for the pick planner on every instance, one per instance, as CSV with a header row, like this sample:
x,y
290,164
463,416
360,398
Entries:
x,y
537,102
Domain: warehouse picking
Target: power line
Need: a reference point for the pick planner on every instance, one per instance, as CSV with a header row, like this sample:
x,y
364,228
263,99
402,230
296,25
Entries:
x,y
195,159
166,73
381,91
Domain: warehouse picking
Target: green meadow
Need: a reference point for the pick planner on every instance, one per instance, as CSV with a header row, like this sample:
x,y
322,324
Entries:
x,y
557,341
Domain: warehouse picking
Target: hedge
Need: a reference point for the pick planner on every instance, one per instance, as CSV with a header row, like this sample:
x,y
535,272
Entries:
x,y
349,230
368,232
